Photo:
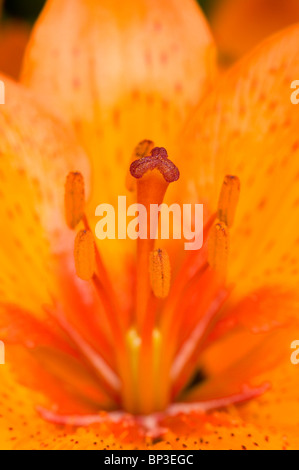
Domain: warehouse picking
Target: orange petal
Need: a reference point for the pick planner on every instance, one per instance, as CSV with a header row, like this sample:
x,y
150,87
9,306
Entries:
x,y
248,127
224,431
239,26
125,71
260,311
251,426
21,426
241,359
18,327
37,152
279,408
64,379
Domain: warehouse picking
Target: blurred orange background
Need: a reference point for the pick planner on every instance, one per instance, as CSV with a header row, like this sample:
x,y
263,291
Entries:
x,y
248,20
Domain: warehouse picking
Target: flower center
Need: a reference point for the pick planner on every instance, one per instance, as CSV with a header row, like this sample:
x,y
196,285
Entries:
x,y
156,357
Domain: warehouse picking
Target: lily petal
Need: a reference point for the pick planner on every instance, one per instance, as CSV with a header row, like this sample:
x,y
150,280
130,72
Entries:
x,y
250,21
22,428
248,127
125,71
36,153
249,360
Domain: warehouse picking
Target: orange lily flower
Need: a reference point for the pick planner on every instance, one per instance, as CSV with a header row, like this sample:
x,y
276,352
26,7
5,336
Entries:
x,y
109,346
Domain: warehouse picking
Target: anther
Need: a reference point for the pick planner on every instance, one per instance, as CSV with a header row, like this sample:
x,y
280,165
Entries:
x,y
74,199
218,246
159,268
143,149
228,200
84,254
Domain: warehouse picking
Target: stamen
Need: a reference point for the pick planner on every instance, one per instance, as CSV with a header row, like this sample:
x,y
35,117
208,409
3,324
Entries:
x,y
84,253
118,341
142,150
228,200
218,247
187,357
246,393
160,273
74,199
108,377
89,267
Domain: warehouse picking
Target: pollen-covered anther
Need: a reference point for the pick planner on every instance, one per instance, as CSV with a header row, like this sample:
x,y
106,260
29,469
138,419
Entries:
x,y
84,253
218,246
158,160
74,200
143,149
228,200
160,273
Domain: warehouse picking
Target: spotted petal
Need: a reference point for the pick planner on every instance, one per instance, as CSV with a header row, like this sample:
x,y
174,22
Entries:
x,y
36,153
248,428
124,72
248,127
